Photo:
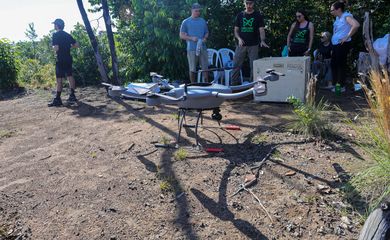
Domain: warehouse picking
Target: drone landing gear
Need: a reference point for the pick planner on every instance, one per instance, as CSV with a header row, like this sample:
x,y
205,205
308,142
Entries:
x,y
182,119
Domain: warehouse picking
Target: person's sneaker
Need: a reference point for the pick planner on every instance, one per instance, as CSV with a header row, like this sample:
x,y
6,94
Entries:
x,y
55,103
72,98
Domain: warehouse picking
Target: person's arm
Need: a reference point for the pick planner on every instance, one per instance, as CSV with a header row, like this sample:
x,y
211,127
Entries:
x,y
205,37
237,35
354,27
311,37
75,45
184,35
262,37
54,43
289,35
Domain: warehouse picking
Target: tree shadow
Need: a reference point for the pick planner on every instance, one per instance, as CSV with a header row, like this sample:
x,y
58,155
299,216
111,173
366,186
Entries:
x,y
350,193
220,210
165,170
149,165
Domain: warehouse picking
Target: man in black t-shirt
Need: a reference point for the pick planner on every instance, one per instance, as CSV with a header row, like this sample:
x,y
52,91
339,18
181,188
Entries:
x,y
249,32
62,42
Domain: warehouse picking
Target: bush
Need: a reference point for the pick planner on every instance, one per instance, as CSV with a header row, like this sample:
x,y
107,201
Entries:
x,y
310,118
35,75
8,65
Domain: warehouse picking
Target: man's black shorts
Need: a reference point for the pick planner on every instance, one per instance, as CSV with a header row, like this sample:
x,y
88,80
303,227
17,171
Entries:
x,y
63,69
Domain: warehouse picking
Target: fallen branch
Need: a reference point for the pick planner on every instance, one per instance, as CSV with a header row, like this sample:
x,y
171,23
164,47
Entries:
x,y
368,41
258,167
44,158
258,200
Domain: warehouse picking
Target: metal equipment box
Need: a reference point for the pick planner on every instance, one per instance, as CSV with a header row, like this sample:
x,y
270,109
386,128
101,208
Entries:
x,y
296,70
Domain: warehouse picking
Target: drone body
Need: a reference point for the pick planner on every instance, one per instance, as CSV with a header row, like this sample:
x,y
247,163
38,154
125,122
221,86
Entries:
x,y
191,97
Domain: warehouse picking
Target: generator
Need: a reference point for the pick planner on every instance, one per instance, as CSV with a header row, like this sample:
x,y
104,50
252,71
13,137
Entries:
x,y
296,70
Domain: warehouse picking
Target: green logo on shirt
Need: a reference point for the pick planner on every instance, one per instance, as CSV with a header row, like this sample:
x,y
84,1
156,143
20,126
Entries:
x,y
247,25
248,22
300,36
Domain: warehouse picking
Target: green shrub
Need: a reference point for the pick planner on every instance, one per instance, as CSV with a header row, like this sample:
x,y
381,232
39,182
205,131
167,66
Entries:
x,y
181,154
35,75
8,65
310,118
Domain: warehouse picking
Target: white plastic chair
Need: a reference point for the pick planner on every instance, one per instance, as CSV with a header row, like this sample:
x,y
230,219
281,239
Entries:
x,y
213,60
226,56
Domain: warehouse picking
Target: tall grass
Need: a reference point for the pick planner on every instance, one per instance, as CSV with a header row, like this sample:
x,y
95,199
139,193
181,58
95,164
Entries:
x,y
374,181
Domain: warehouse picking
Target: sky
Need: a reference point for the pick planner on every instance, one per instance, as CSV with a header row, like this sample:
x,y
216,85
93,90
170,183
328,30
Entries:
x,y
15,15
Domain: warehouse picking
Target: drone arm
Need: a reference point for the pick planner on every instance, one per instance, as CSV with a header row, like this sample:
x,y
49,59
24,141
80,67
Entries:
x,y
242,87
107,84
234,95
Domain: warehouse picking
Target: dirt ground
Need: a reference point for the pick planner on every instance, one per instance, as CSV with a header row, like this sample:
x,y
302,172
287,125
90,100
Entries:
x,y
92,171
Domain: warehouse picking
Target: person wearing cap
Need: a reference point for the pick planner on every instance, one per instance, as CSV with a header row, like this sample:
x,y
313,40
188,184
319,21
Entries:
x,y
195,32
249,32
62,42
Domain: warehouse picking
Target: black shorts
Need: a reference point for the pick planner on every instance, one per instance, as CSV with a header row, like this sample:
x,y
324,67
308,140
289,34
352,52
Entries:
x,y
297,50
63,69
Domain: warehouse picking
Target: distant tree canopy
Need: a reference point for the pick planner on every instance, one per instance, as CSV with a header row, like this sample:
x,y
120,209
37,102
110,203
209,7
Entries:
x,y
8,65
147,34
147,31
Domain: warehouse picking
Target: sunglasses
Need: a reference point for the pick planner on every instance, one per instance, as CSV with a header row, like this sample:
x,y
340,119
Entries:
x,y
298,16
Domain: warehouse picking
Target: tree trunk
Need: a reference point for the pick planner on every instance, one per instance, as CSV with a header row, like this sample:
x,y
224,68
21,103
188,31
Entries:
x,y
111,42
377,226
94,43
367,34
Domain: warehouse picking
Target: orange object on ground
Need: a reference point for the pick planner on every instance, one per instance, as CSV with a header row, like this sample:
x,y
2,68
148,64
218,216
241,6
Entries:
x,y
214,150
232,127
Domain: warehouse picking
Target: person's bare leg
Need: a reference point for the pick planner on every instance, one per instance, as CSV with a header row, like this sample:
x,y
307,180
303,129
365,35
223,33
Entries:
x,y
72,82
192,77
72,85
59,85
206,77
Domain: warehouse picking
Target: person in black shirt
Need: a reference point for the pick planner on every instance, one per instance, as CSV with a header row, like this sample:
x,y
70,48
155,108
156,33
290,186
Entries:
x,y
325,48
249,32
300,36
322,59
62,42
